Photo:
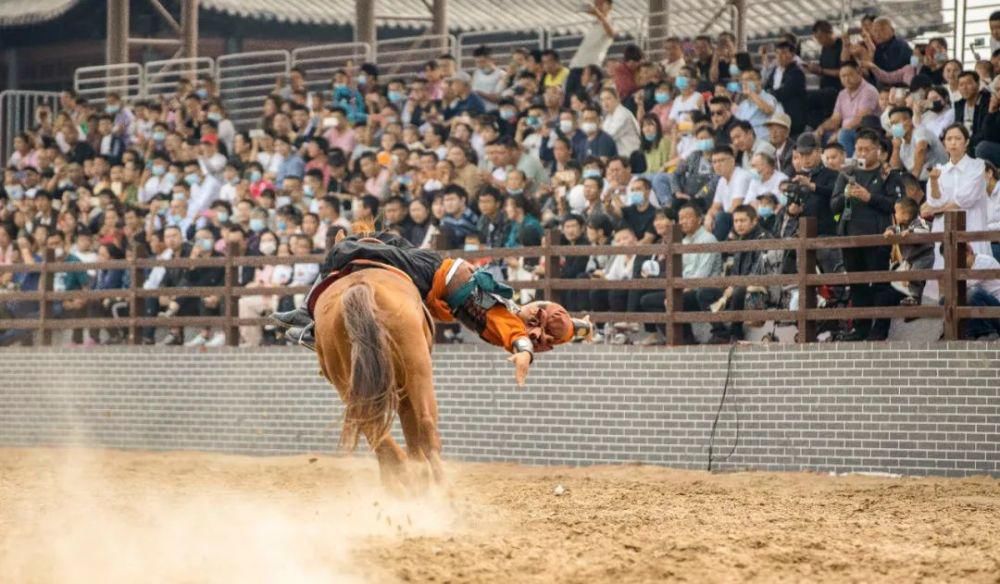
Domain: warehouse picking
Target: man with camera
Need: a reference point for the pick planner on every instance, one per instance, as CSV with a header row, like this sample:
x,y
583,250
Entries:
x,y
860,198
811,186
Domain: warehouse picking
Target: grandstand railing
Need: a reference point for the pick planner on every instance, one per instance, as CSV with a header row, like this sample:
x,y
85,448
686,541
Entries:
x,y
320,61
404,57
502,44
17,115
952,279
95,83
246,79
161,77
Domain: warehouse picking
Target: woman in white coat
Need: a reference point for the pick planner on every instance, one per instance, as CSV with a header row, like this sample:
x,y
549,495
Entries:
x,y
958,185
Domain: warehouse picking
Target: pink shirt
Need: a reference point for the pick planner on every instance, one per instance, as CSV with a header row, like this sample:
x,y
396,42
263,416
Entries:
x,y
343,140
862,102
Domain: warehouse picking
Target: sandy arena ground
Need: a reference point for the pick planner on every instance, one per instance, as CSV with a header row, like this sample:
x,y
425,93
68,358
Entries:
x,y
128,517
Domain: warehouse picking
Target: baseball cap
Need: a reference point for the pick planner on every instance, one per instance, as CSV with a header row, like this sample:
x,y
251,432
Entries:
x,y
210,139
806,143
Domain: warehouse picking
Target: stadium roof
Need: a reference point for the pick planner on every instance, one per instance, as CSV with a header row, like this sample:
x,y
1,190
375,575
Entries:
x,y
687,17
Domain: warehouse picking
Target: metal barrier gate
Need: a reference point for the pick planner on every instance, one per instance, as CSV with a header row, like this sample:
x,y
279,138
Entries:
x,y
405,57
246,79
319,62
162,76
95,83
502,44
17,114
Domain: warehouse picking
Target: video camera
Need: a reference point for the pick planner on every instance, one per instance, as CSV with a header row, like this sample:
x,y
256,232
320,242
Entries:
x,y
795,194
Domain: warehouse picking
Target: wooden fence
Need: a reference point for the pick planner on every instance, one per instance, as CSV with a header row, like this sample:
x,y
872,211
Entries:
x,y
952,279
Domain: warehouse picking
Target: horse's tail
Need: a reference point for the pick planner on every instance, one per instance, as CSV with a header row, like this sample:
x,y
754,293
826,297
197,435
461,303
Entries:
x,y
372,398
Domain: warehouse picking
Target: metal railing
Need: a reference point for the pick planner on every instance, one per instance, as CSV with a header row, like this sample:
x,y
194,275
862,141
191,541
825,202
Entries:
x,y
502,44
246,79
17,115
952,279
402,58
319,62
95,83
161,77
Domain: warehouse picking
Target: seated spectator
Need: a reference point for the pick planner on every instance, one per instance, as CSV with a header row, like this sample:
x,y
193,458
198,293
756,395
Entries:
x,y
598,142
269,276
914,148
636,213
619,267
748,263
764,179
857,100
694,180
23,282
619,122
459,219
756,106
983,293
113,279
732,186
423,229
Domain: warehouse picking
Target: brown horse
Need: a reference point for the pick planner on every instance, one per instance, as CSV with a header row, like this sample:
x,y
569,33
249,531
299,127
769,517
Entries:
x,y
374,344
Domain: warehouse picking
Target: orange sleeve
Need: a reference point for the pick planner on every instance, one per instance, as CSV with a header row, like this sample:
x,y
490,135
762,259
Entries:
x,y
503,328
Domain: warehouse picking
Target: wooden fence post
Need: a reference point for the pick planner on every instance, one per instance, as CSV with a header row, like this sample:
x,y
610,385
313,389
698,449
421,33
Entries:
x,y
674,298
46,283
136,279
806,265
552,268
231,308
952,288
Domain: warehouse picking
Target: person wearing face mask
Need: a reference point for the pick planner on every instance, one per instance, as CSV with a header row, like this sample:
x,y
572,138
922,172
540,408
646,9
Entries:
x,y
694,180
913,148
756,106
257,306
598,142
637,213
764,179
688,100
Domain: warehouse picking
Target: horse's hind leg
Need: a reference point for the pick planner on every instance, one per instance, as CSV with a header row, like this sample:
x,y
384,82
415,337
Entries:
x,y
411,432
391,465
420,391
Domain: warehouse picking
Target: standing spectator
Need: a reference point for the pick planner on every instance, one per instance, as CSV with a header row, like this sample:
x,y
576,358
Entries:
x,y
919,256
626,72
857,100
831,52
593,46
864,209
958,185
787,83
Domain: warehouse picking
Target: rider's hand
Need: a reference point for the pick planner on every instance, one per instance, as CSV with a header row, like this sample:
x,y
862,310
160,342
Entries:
x,y
521,363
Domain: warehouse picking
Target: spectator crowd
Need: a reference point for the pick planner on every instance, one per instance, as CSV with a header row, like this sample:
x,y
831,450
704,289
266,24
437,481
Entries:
x,y
876,135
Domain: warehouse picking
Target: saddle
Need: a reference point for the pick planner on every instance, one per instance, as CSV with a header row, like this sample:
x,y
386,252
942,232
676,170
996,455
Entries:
x,y
354,266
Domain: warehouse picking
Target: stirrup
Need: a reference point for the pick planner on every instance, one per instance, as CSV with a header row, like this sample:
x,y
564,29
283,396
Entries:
x,y
302,336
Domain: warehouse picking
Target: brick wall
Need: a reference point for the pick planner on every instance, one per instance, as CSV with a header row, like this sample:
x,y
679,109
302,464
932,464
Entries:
x,y
914,408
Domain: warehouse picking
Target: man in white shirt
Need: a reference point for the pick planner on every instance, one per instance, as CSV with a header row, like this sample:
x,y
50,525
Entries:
x,y
204,190
211,161
487,79
673,60
619,123
159,181
734,182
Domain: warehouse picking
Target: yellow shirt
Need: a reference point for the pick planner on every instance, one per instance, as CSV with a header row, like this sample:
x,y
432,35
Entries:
x,y
558,80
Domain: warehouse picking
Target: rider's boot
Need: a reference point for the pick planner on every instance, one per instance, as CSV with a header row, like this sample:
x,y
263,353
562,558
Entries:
x,y
298,317
302,336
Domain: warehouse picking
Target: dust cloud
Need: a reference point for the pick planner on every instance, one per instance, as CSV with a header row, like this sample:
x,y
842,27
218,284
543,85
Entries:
x,y
76,519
